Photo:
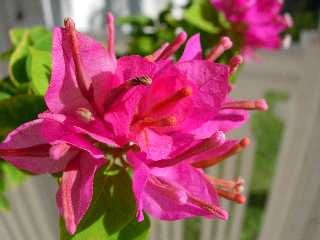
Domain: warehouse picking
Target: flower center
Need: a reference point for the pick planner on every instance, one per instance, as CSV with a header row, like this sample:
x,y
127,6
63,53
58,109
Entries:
x,y
171,100
117,93
85,114
163,122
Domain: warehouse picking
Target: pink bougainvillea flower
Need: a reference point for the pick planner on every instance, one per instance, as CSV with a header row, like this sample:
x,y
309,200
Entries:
x,y
258,22
173,193
178,188
174,114
138,99
46,146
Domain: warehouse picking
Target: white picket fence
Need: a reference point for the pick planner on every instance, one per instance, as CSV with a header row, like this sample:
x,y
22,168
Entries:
x,y
292,212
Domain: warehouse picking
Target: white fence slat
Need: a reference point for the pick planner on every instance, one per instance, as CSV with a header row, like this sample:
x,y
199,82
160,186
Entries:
x,y
293,149
155,229
303,194
208,226
248,158
38,212
4,230
12,220
178,231
228,173
20,209
165,230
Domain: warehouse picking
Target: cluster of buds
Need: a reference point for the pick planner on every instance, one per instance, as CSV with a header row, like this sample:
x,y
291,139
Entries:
x,y
166,120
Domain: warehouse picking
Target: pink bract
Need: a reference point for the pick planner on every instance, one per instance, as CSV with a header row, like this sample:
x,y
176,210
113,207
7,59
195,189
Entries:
x,y
47,146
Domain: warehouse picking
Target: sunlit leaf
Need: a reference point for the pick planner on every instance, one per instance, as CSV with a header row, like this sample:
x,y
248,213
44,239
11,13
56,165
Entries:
x,y
17,63
202,15
112,207
38,70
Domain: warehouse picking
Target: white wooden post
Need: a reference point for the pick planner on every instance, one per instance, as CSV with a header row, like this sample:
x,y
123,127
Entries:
x,y
282,205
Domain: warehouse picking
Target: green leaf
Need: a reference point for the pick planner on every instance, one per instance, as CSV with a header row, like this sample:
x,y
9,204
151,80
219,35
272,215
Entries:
x,y
202,15
17,63
4,203
16,35
6,86
44,43
135,20
5,56
112,207
19,109
4,95
37,33
38,70
135,230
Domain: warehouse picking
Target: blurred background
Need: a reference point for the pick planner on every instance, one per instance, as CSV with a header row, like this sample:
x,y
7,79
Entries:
x,y
282,165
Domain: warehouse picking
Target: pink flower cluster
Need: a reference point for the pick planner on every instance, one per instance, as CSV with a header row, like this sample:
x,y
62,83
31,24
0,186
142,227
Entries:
x,y
168,118
258,22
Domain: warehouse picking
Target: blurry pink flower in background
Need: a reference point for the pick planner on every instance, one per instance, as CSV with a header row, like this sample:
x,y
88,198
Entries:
x,y
259,22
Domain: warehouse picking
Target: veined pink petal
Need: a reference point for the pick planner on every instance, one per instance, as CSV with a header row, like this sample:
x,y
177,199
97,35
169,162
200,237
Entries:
x,y
63,94
226,120
140,178
212,87
56,132
192,50
76,190
94,127
29,136
155,145
184,181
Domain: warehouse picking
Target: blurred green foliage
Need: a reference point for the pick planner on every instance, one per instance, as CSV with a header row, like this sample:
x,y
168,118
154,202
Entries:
x,y
148,34
21,92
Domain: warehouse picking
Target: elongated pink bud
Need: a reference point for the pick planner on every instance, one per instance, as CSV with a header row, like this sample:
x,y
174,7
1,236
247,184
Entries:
x,y
259,104
215,160
173,47
288,20
224,44
207,144
82,80
210,208
111,34
115,94
234,63
169,190
152,57
41,150
235,197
